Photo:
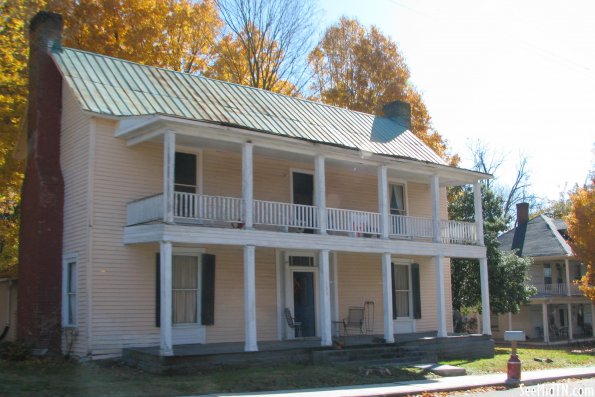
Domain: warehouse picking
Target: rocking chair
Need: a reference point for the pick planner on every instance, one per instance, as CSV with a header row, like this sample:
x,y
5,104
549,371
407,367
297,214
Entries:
x,y
354,320
295,325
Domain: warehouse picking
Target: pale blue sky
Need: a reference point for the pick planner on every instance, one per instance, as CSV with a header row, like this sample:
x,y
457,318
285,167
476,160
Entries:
x,y
518,75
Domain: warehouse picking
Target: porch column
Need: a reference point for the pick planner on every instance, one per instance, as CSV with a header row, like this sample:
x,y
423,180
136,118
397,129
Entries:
x,y
383,204
593,320
169,159
570,330
249,300
440,298
435,189
387,297
546,324
477,205
325,300
567,267
247,184
165,316
320,192
485,296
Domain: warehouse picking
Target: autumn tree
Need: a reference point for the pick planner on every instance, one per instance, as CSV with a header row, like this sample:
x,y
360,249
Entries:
x,y
581,229
362,69
174,34
266,43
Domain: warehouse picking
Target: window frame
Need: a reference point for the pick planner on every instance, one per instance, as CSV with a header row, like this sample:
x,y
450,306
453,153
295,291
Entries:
x,y
199,166
196,252
399,182
410,315
69,290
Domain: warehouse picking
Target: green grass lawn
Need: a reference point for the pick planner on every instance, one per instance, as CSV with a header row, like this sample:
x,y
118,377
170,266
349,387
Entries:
x,y
561,357
57,377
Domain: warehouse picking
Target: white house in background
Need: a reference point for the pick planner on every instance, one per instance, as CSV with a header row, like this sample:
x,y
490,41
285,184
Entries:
x,y
558,311
197,211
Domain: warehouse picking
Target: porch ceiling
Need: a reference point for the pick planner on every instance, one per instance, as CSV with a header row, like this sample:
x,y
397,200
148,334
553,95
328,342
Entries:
x,y
193,133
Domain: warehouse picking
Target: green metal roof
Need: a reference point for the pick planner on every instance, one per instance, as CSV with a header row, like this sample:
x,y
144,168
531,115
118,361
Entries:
x,y
114,87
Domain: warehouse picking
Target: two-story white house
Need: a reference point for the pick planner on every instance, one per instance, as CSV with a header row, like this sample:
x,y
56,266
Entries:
x,y
197,211
558,311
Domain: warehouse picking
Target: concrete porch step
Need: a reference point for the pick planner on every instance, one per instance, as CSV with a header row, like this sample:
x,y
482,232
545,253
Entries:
x,y
373,354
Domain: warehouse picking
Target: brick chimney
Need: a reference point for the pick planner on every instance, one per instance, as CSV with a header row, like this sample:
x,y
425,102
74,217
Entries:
x,y
522,213
398,111
42,201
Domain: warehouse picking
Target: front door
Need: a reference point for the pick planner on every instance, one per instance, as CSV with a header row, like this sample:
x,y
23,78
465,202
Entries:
x,y
304,301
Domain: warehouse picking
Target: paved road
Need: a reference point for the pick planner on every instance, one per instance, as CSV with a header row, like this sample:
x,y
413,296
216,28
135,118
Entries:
x,y
578,388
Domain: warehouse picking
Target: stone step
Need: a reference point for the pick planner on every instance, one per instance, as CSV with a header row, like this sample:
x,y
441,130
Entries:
x,y
373,354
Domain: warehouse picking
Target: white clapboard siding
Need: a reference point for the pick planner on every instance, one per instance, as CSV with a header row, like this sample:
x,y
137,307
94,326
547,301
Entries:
x,y
74,155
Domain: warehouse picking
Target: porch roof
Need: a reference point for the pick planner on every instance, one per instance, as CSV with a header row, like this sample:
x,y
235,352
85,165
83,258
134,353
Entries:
x,y
118,88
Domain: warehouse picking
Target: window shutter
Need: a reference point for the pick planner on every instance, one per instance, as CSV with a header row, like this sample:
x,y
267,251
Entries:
x,y
392,292
208,290
416,291
157,291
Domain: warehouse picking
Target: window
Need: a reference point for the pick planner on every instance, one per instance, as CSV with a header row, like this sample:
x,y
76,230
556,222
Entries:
x,y
494,322
69,283
401,284
185,173
185,289
306,261
397,200
547,273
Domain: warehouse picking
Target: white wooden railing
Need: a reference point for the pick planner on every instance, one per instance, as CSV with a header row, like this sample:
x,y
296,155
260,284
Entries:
x,y
203,207
550,289
456,232
410,226
284,214
350,221
145,210
199,207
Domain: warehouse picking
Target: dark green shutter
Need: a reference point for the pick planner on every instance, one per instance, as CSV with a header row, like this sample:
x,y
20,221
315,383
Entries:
x,y
392,292
208,290
416,292
157,291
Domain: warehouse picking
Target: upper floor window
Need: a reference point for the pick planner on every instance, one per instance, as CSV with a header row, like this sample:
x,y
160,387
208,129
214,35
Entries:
x,y
397,199
186,173
547,273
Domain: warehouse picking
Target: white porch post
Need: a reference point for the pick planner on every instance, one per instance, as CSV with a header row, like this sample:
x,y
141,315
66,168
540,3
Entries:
x,y
485,296
247,184
546,324
435,189
570,330
440,298
169,159
325,300
383,204
387,297
320,192
165,317
477,205
567,267
249,300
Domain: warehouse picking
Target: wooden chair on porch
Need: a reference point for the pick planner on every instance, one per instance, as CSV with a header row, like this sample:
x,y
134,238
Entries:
x,y
295,325
354,320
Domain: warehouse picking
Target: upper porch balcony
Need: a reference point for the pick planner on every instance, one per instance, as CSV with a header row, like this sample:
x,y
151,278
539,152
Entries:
x,y
230,212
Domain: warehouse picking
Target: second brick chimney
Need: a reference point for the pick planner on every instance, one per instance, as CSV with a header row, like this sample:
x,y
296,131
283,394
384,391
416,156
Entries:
x,y
522,213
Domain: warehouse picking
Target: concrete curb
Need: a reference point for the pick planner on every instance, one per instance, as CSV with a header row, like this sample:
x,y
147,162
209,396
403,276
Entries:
x,y
454,383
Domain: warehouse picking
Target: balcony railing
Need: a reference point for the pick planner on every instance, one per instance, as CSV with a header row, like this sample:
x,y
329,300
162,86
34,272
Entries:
x,y
199,208
556,289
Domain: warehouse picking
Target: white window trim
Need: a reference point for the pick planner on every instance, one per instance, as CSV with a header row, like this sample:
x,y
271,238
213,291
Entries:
x,y
66,260
199,164
402,182
406,262
188,251
301,171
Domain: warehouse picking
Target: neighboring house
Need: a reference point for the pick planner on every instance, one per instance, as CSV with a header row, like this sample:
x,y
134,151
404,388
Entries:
x,y
161,208
558,311
8,306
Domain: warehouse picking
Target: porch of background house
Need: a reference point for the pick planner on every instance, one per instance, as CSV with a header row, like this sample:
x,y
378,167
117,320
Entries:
x,y
411,348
